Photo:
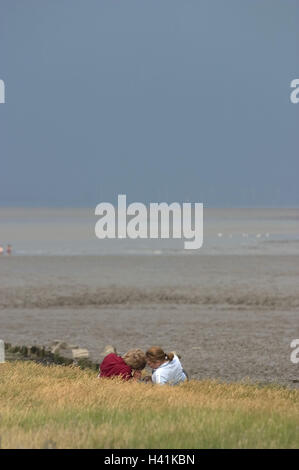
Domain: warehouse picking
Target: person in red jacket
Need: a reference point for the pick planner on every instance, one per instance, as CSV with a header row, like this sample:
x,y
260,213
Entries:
x,y
127,367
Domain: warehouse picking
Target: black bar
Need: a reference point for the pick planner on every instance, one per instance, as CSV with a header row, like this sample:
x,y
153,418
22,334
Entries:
x,y
137,458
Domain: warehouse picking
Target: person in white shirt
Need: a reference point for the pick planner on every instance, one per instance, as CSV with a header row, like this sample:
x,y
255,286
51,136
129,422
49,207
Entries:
x,y
167,368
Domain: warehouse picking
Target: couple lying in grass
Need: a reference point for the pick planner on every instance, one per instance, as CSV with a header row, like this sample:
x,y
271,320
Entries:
x,y
166,368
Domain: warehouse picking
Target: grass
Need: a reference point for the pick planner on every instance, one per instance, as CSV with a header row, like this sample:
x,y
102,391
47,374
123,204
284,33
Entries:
x,y
66,407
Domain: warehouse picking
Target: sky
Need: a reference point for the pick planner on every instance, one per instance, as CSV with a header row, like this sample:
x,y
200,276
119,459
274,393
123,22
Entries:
x,y
161,100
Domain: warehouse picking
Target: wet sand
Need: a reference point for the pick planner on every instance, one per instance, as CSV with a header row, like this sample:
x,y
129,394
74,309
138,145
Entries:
x,y
230,317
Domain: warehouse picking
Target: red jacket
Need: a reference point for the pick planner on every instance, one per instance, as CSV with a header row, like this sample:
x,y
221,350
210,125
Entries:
x,y
114,365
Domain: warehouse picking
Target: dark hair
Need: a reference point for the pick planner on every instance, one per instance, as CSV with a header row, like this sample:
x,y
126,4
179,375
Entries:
x,y
155,354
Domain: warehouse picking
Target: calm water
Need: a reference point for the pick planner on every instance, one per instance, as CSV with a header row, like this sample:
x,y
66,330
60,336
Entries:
x,y
35,231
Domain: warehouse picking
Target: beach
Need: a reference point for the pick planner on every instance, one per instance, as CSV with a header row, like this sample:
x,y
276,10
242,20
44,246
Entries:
x,y
230,317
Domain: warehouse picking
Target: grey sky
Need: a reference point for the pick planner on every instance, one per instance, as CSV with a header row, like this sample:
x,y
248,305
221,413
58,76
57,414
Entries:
x,y
160,100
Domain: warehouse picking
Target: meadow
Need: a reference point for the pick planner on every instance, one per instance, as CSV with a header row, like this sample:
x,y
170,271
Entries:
x,y
67,407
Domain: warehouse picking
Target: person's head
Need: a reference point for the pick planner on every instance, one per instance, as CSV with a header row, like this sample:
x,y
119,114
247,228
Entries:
x,y
155,357
135,358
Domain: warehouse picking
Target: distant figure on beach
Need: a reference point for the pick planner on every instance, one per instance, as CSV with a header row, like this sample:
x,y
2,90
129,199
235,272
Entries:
x,y
128,366
167,368
1,250
8,249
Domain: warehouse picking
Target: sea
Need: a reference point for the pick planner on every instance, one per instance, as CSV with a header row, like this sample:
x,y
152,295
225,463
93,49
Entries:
x,y
71,231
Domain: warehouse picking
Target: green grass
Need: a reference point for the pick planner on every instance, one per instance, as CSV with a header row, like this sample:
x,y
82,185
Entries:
x,y
66,407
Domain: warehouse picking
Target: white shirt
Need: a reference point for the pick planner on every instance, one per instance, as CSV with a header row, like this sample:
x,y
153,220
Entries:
x,y
171,372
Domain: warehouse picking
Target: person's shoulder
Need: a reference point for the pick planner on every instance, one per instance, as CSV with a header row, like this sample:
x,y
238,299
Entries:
x,y
176,360
110,357
113,359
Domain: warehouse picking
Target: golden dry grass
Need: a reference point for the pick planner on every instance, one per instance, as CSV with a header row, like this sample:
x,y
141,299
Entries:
x,y
66,407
